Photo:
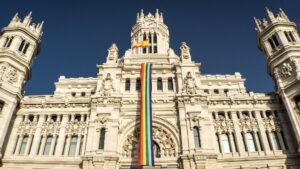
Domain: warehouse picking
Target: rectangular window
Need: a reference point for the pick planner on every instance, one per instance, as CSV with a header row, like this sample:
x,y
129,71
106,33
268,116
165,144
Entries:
x,y
127,85
159,84
47,145
73,144
23,145
102,139
138,84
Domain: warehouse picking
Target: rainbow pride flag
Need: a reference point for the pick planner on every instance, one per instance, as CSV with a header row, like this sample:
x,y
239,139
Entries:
x,y
146,157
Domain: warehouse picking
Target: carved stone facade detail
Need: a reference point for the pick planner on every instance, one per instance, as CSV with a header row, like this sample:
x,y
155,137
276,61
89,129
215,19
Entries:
x,y
160,136
248,124
8,73
27,127
76,127
51,127
285,70
190,87
107,86
101,120
272,124
223,125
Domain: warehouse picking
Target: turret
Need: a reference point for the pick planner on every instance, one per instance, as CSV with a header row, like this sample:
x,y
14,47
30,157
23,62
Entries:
x,y
279,41
19,44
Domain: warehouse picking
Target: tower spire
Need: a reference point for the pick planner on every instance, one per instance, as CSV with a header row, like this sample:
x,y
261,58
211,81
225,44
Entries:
x,y
270,14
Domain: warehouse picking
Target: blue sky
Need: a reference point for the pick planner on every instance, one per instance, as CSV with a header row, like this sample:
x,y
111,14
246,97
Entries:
x,y
77,34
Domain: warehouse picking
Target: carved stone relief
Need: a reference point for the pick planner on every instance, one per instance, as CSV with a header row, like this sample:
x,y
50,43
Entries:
x,y
107,86
27,128
8,73
185,51
51,127
285,70
223,125
160,136
190,87
76,127
272,124
101,120
248,124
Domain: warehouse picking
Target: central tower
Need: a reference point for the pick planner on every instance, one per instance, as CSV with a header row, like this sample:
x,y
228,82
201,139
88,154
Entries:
x,y
151,28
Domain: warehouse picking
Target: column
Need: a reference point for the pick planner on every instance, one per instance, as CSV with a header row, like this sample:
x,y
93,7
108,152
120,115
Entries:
x,y
61,139
281,142
67,145
15,44
232,142
245,141
52,147
19,144
257,142
30,51
37,137
78,144
41,151
27,150
11,148
165,85
220,142
238,136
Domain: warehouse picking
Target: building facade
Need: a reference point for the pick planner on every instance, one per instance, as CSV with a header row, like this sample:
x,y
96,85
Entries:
x,y
199,121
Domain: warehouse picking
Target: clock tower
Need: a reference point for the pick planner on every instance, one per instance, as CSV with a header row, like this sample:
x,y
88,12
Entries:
x,y
151,28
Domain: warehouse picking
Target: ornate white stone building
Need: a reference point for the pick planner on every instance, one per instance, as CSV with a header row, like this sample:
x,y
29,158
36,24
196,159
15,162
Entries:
x,y
199,121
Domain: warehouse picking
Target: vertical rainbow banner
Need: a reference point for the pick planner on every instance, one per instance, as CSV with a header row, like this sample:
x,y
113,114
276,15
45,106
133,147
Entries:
x,y
146,157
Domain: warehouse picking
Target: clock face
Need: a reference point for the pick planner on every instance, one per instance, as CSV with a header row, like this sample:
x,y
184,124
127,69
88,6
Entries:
x,y
151,24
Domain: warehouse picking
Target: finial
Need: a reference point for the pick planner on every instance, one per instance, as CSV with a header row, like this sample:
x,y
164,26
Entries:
x,y
157,14
40,26
161,17
27,19
270,14
14,19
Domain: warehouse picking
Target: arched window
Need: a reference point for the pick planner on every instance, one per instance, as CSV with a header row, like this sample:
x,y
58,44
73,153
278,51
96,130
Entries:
x,y
25,48
47,145
138,84
23,145
170,84
156,150
159,84
21,46
225,143
127,85
73,144
250,141
102,139
8,42
275,140
197,137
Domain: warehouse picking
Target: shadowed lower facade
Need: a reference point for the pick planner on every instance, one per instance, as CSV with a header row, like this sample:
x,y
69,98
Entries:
x,y
199,121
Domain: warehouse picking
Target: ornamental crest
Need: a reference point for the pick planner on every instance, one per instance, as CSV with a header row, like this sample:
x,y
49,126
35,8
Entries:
x,y
8,73
223,125
248,124
102,120
286,70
